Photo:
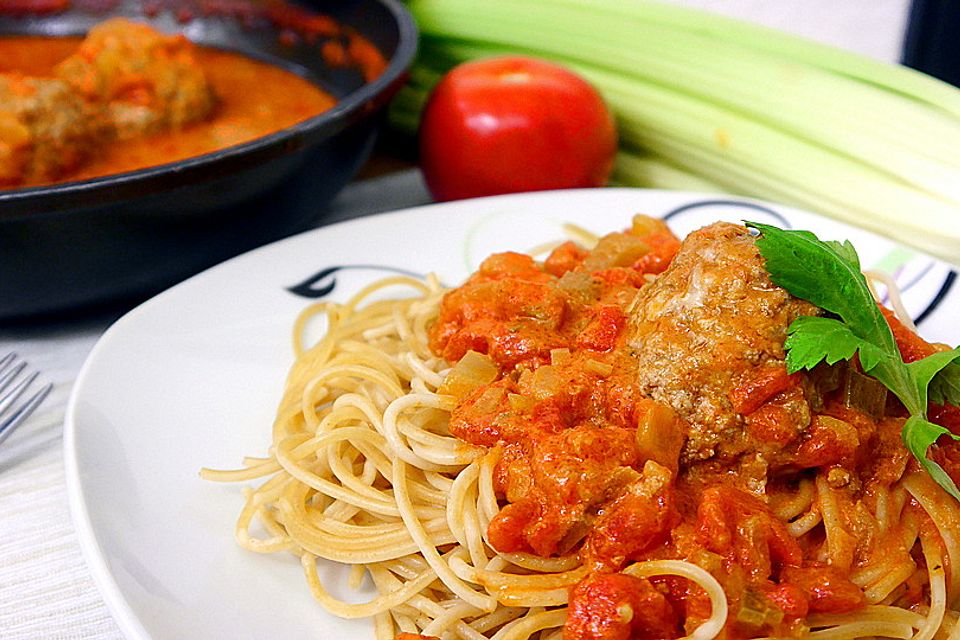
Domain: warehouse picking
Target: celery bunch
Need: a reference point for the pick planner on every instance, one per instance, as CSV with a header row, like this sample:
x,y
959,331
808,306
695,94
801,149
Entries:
x,y
709,103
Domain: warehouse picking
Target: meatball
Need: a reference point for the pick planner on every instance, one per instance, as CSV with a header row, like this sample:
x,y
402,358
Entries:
x,y
147,81
708,325
46,131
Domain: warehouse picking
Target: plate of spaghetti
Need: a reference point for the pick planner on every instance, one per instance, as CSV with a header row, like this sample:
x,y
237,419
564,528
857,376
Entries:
x,y
590,415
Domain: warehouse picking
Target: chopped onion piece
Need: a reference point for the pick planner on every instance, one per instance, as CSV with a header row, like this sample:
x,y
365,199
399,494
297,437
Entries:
x,y
602,369
473,370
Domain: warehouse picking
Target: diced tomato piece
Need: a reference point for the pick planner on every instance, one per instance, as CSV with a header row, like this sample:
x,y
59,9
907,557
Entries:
x,y
831,441
509,319
789,598
826,589
602,331
477,423
620,276
577,447
509,346
634,523
554,477
622,399
473,337
619,607
744,530
549,416
506,346
544,534
519,299
510,264
567,257
663,248
506,529
760,386
772,423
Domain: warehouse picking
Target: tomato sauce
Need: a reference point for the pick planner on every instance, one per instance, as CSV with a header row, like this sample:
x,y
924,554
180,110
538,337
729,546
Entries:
x,y
245,109
591,466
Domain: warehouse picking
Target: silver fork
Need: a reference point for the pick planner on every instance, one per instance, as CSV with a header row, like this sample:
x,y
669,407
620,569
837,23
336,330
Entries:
x,y
13,410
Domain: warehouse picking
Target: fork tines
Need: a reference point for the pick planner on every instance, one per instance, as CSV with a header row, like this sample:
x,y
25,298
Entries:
x,y
13,411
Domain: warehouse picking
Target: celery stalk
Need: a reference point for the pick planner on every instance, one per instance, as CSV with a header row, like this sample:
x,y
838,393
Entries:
x,y
787,95
706,100
632,169
902,80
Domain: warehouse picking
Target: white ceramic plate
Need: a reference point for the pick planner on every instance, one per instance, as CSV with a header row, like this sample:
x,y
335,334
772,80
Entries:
x,y
191,378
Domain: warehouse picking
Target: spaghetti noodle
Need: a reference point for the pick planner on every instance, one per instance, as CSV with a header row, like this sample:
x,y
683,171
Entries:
x,y
374,464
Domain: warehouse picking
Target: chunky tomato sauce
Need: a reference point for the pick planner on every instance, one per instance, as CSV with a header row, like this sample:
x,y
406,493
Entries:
x,y
593,466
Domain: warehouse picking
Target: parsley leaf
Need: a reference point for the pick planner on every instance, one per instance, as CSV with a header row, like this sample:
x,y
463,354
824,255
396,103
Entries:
x,y
846,251
812,340
918,434
800,263
828,275
939,366
945,386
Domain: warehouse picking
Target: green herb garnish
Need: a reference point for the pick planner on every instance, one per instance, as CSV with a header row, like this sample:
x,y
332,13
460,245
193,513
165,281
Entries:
x,y
828,275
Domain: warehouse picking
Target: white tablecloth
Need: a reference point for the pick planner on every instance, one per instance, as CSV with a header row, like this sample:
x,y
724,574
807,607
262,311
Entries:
x,y
45,588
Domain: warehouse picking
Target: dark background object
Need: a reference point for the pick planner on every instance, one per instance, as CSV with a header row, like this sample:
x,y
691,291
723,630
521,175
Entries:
x,y
124,237
932,42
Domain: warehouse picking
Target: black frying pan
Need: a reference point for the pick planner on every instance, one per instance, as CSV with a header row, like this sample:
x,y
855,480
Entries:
x,y
129,235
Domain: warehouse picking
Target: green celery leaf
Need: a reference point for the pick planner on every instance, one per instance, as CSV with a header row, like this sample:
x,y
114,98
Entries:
x,y
802,264
846,252
871,355
828,275
918,434
945,386
811,340
939,372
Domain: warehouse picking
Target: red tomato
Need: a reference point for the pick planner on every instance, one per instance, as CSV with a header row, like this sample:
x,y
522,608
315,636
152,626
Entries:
x,y
502,125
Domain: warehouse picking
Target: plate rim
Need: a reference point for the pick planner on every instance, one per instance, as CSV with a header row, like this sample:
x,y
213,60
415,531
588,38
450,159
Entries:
x,y
123,614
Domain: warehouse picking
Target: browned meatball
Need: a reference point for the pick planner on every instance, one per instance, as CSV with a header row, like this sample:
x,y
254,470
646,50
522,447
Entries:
x,y
710,323
147,81
46,131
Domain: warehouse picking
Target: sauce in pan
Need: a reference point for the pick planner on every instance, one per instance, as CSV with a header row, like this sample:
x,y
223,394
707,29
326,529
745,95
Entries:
x,y
251,99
